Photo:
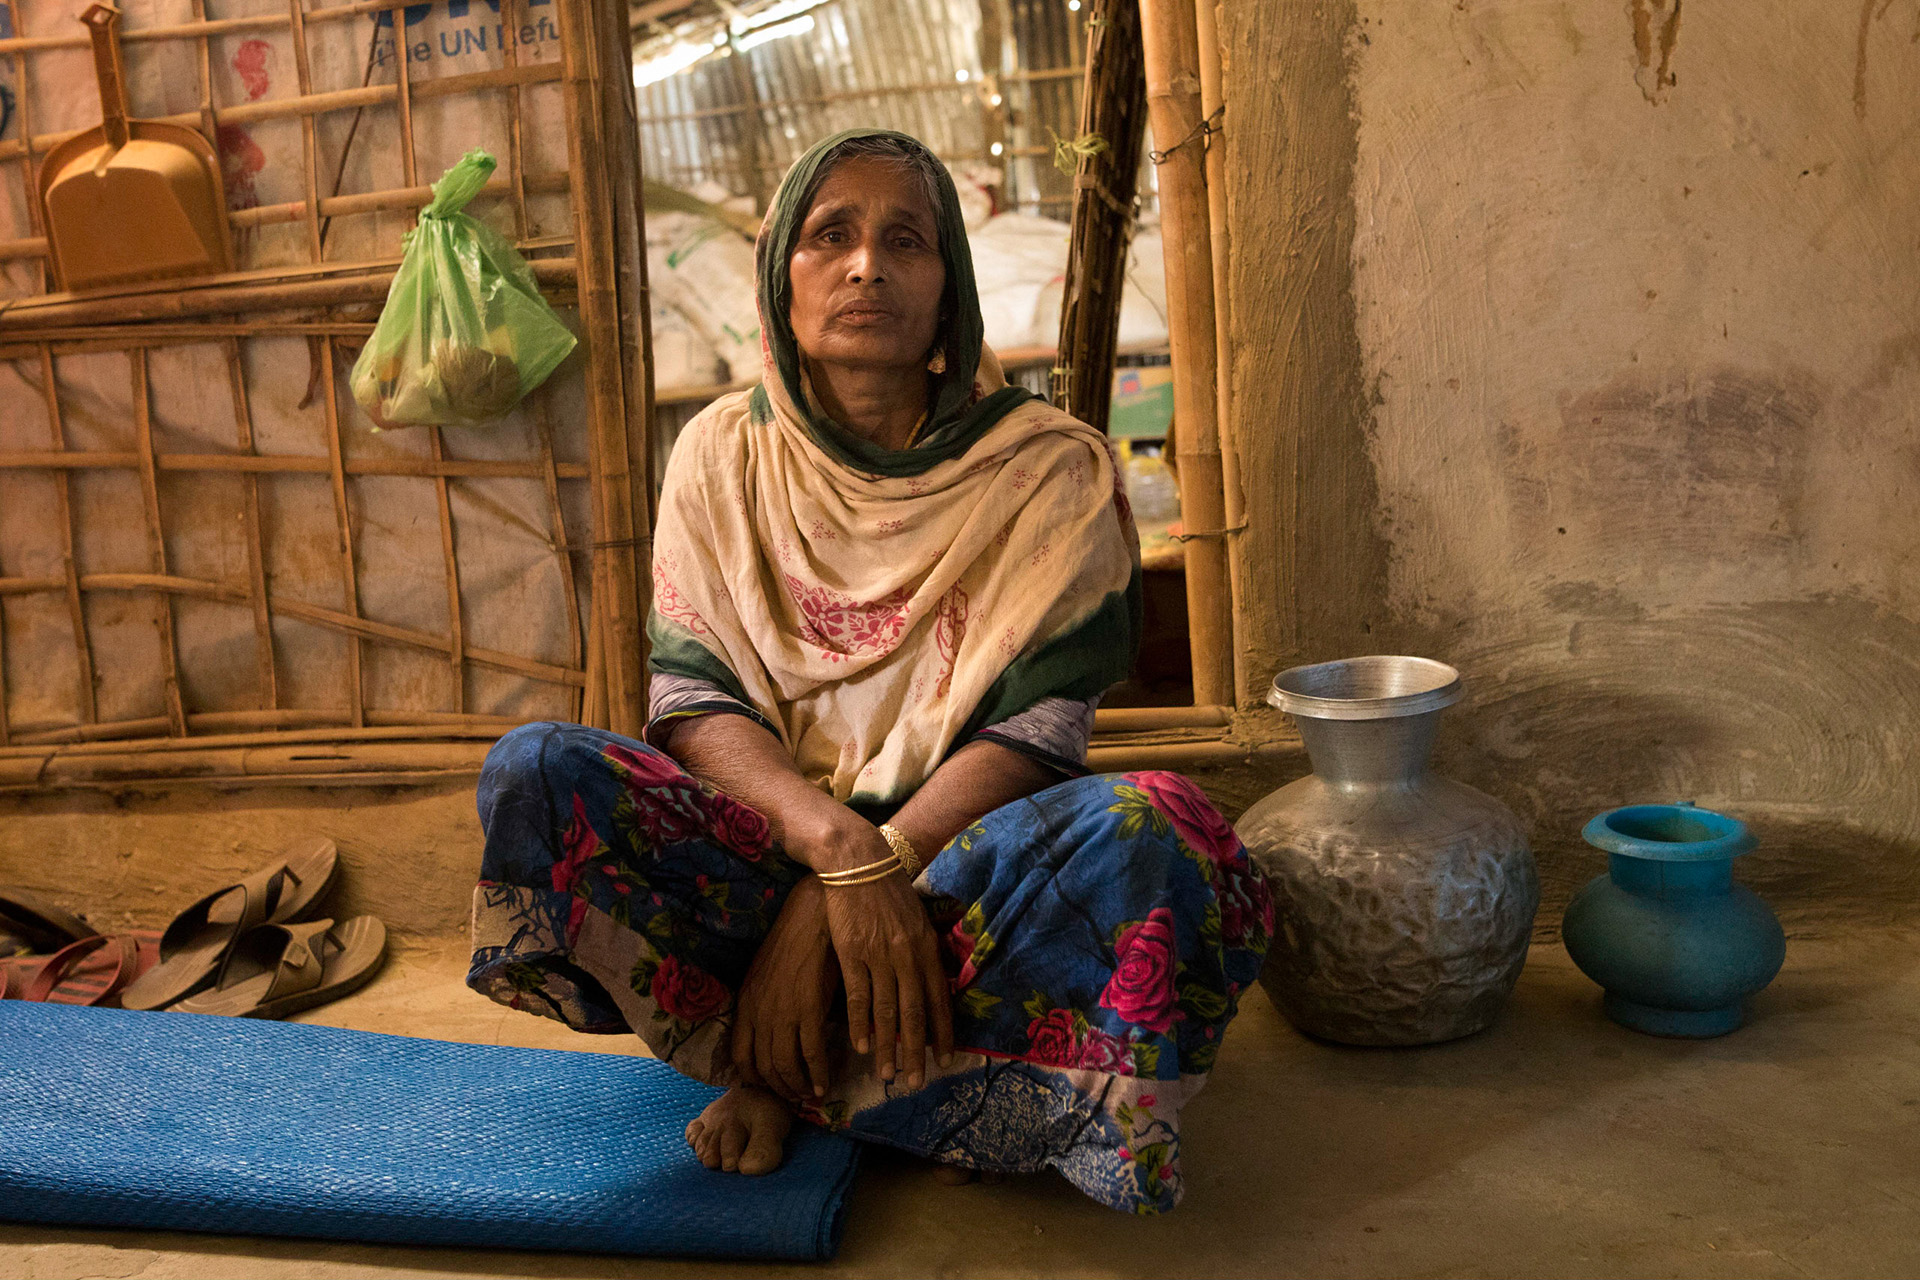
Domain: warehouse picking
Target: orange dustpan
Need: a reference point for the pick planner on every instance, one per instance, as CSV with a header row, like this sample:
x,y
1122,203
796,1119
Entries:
x,y
133,199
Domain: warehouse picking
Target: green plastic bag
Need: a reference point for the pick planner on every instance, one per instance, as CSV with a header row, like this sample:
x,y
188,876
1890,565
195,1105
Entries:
x,y
465,333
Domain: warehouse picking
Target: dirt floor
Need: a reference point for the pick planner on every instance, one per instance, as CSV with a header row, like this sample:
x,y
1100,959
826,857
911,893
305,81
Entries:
x,y
1556,1144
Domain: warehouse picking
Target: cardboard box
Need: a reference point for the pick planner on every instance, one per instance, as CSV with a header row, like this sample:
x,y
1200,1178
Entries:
x,y
1142,406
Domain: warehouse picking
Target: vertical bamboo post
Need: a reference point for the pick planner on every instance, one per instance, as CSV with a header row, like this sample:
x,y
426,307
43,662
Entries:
x,y
1113,106
616,582
403,98
620,138
1172,54
343,530
516,164
309,144
576,637
256,541
30,178
6,737
457,653
1213,103
156,526
63,498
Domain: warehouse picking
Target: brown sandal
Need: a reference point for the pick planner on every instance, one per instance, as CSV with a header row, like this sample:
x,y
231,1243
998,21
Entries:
x,y
200,938
280,969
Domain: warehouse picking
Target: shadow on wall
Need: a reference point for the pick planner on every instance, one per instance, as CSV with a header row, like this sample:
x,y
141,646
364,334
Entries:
x,y
1798,718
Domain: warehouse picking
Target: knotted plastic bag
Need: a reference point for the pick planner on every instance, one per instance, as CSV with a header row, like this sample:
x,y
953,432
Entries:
x,y
465,333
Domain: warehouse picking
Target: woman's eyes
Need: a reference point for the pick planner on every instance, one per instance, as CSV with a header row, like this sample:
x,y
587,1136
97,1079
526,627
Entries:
x,y
836,236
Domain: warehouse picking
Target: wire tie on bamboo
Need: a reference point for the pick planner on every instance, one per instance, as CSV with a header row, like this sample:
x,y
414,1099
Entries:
x,y
1203,131
1209,533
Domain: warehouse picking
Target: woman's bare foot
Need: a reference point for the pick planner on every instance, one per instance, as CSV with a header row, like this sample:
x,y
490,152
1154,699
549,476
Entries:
x,y
744,1130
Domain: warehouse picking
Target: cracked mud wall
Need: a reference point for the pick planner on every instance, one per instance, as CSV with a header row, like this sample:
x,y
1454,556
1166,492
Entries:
x,y
1634,299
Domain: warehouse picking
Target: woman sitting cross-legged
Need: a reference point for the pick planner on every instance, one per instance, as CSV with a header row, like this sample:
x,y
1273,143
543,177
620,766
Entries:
x,y
859,873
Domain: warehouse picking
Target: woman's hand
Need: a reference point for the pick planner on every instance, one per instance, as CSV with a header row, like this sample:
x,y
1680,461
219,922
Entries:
x,y
780,1018
897,992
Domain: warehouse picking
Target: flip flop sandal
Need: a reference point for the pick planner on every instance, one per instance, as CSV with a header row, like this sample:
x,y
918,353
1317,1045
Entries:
x,y
201,937
32,923
122,950
280,969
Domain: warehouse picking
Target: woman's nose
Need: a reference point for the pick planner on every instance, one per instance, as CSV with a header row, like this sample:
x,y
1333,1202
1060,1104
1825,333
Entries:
x,y
864,267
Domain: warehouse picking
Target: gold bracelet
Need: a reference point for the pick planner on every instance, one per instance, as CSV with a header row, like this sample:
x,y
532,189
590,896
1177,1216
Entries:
x,y
903,848
861,875
893,865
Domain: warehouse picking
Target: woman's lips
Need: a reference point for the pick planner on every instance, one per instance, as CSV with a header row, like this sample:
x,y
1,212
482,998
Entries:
x,y
864,314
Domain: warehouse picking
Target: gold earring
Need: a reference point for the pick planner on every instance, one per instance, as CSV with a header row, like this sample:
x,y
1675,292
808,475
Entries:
x,y
938,364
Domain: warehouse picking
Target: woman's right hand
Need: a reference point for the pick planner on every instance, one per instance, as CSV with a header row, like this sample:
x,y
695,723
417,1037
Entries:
x,y
897,994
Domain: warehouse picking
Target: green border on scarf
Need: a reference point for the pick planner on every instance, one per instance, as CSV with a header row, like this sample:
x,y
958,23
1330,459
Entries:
x,y
675,651
956,421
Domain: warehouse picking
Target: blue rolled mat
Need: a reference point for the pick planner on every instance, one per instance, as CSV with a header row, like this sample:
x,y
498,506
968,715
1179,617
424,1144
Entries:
x,y
173,1120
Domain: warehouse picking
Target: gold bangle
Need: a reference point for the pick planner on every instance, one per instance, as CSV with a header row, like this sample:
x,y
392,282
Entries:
x,y
861,875
893,865
903,849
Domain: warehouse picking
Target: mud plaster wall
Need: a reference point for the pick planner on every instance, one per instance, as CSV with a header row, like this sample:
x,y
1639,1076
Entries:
x,y
1594,370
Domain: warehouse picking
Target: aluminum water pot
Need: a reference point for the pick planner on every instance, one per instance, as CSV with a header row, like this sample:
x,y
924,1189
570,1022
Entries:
x,y
1403,901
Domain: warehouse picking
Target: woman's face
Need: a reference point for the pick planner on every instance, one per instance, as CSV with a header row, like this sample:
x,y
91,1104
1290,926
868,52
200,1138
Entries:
x,y
866,270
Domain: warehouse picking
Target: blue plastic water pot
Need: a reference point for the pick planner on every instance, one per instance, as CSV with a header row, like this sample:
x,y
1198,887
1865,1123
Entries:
x,y
1676,943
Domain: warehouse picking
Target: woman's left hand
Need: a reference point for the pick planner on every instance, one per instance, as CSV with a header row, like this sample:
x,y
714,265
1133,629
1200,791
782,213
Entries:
x,y
897,994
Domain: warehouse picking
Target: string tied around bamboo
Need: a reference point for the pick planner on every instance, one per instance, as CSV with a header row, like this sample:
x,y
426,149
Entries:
x,y
1204,130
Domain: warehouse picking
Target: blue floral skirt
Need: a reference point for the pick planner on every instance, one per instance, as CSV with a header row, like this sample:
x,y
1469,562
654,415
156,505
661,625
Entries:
x,y
1098,935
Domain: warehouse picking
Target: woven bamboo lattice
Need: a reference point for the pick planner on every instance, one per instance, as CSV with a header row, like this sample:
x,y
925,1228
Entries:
x,y
201,538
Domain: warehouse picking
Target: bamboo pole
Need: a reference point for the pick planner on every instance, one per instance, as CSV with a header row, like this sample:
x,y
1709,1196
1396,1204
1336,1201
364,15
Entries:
x,y
516,148
621,137
157,531
63,499
1172,55
281,727
1141,719
292,464
6,732
192,30
1112,107
576,633
343,525
615,581
256,540
1213,103
307,105
349,624
457,639
461,728
281,290
385,764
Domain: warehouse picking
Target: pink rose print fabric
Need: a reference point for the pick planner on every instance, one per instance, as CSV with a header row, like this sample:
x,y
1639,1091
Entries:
x,y
1097,936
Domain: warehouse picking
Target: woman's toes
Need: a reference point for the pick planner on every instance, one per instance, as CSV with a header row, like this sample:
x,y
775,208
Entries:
x,y
733,1141
764,1149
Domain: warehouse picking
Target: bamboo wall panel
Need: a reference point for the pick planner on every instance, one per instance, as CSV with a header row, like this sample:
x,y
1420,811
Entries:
x,y
200,532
